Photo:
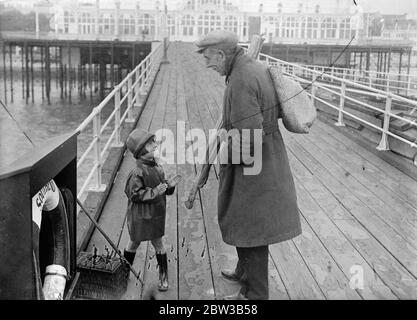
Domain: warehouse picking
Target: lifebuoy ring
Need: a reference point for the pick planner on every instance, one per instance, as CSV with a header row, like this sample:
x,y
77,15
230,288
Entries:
x,y
50,237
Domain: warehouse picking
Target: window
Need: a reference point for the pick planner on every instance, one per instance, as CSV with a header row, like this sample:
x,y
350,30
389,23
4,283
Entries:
x,y
312,28
208,22
188,25
171,25
280,7
146,24
127,24
290,27
277,26
230,24
328,28
345,29
106,24
68,19
86,23
303,28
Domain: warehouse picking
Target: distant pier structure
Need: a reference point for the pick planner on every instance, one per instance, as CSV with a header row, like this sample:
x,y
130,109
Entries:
x,y
75,66
311,33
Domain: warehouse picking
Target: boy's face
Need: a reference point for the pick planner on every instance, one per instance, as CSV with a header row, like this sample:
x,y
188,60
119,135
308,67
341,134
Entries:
x,y
151,146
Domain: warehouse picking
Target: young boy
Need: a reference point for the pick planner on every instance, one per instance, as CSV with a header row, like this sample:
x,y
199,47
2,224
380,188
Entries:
x,y
146,190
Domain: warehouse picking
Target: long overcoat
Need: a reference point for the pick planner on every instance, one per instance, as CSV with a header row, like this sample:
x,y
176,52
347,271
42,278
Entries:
x,y
261,209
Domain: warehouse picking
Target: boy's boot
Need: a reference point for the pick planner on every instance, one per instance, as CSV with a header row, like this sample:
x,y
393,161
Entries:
x,y
130,257
163,284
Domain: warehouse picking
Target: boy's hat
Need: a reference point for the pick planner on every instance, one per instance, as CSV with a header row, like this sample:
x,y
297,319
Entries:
x,y
137,140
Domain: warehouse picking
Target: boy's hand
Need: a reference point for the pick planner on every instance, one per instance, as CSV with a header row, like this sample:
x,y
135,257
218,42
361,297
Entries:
x,y
173,181
161,188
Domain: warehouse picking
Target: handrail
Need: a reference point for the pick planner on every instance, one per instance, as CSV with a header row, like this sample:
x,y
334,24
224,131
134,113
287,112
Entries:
x,y
317,73
341,90
136,82
405,83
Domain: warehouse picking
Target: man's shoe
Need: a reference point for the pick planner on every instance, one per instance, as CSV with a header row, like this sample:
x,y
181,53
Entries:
x,y
235,296
230,275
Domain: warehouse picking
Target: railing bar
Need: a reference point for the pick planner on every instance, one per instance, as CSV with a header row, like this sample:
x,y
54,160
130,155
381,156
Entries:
x,y
86,152
103,127
336,78
368,123
123,100
108,143
87,180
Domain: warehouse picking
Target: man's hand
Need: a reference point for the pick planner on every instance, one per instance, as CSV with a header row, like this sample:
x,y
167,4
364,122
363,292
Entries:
x,y
173,181
161,188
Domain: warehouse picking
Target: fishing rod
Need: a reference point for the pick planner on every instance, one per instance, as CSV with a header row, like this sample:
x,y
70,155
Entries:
x,y
116,249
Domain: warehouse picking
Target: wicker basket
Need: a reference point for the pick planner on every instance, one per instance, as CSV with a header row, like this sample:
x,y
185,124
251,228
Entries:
x,y
101,277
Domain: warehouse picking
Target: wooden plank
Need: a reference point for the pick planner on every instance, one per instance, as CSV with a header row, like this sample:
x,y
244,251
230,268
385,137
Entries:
x,y
404,213
343,252
332,281
373,224
294,273
364,163
401,282
399,221
195,275
405,183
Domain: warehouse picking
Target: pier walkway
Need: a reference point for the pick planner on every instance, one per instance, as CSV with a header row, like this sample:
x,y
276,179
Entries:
x,y
358,212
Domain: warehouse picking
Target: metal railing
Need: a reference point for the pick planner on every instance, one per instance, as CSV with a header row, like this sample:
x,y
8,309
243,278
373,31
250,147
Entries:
x,y
344,88
126,93
402,84
13,35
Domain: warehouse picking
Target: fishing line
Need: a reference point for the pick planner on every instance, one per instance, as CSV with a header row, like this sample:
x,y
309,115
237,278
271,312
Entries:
x,y
17,123
304,89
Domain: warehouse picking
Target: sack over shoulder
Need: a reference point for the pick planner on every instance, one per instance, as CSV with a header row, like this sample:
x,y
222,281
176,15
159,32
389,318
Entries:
x,y
297,110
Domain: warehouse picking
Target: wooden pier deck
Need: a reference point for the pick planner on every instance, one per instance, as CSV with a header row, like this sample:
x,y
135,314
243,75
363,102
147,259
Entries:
x,y
358,212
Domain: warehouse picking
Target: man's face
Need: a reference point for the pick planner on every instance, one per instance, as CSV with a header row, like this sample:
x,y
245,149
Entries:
x,y
216,60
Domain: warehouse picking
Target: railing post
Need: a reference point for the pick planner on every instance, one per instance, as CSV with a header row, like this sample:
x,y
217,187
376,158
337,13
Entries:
x,y
383,144
130,117
138,87
313,87
117,127
332,74
408,85
340,122
99,187
387,88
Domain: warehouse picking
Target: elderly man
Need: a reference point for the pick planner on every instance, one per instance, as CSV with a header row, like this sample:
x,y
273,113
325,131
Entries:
x,y
254,211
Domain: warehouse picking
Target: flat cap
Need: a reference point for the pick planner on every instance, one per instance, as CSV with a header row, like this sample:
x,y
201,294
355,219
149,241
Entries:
x,y
219,39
